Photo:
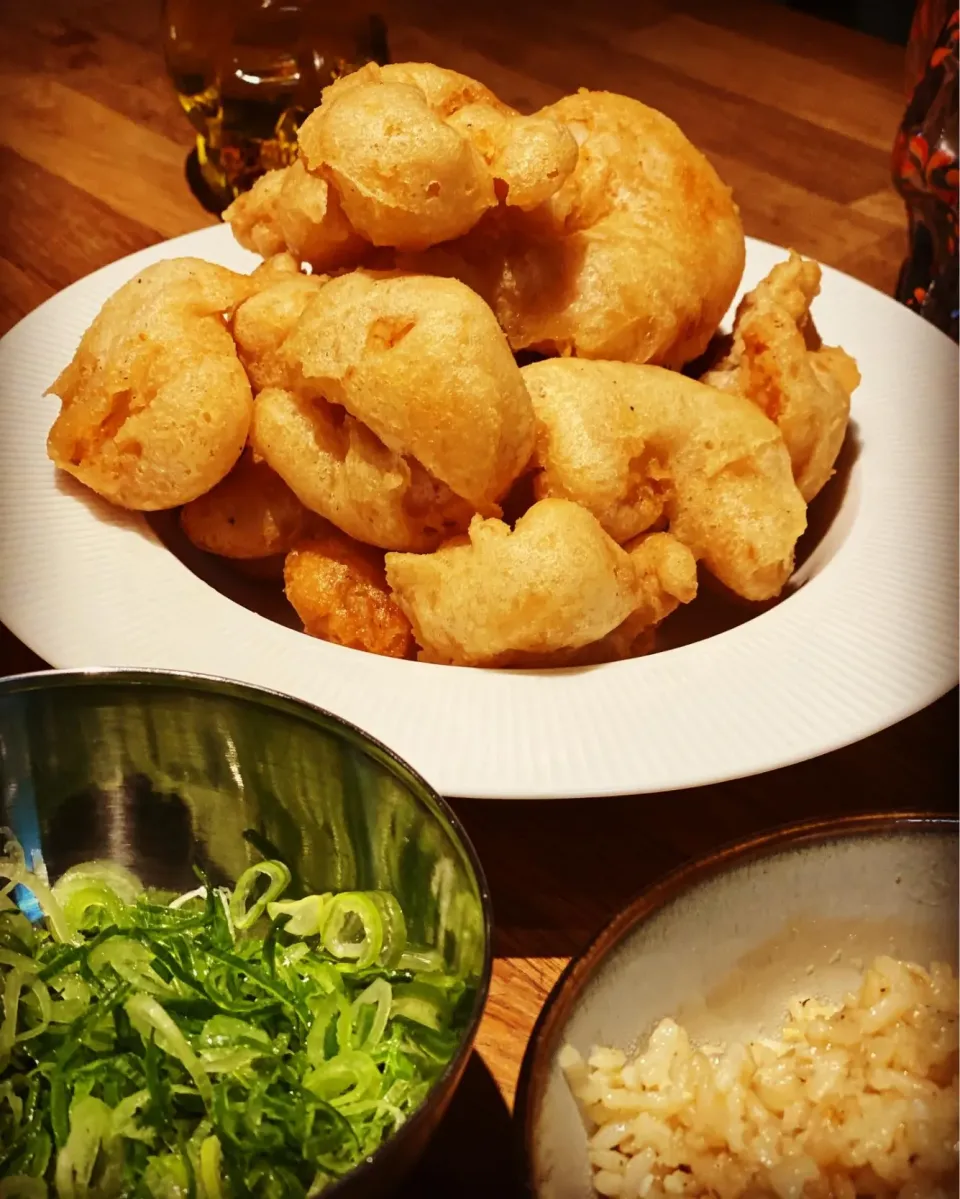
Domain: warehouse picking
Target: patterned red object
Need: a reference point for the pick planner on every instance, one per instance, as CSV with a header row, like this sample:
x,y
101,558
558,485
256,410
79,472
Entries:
x,y
925,167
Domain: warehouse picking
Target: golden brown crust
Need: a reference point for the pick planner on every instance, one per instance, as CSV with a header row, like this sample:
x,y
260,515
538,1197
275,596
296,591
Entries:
x,y
555,582
776,360
155,406
721,465
635,258
339,591
251,514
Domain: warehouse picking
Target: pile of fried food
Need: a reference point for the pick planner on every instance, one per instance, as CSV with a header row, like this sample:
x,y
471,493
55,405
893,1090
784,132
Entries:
x,y
353,416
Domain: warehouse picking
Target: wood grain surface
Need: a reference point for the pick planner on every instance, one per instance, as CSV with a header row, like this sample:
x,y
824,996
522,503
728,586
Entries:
x,y
799,118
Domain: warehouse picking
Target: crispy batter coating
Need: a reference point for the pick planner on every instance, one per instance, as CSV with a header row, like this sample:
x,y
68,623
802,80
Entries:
x,y
403,175
291,209
590,450
422,362
528,157
417,153
341,470
557,581
722,466
339,591
405,155
636,257
250,514
262,324
666,576
155,404
777,361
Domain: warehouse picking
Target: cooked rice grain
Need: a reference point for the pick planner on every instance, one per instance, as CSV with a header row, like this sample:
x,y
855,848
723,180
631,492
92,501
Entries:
x,y
851,1100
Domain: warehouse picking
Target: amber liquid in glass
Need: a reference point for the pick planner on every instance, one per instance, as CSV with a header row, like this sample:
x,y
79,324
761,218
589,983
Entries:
x,y
248,72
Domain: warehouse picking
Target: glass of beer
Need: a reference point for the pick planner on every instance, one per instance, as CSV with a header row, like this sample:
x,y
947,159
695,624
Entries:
x,y
248,72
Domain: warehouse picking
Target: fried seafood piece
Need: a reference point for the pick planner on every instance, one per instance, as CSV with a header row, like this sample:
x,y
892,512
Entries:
x,y
423,364
666,577
719,465
589,449
556,582
404,155
338,468
340,592
778,361
636,257
250,514
262,324
292,210
155,406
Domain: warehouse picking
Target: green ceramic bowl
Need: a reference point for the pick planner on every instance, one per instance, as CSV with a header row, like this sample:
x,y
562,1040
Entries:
x,y
162,772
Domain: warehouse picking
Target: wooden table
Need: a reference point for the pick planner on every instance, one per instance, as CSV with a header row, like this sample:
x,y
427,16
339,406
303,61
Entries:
x,y
797,115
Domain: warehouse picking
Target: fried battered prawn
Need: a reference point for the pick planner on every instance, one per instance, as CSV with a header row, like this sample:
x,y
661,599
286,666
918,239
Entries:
x,y
721,466
636,257
778,362
404,155
417,154
250,514
403,175
422,362
262,324
290,209
589,449
666,577
155,404
557,581
339,591
339,469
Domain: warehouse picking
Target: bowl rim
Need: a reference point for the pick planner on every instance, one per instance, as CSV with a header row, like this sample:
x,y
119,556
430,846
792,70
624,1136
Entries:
x,y
205,684
565,992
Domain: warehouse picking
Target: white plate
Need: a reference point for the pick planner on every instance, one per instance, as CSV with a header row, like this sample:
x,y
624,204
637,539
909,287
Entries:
x,y
868,637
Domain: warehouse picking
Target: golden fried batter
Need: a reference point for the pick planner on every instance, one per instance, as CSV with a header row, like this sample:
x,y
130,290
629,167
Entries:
x,y
422,362
636,257
250,514
590,450
719,463
557,581
155,404
403,175
341,470
264,322
290,209
405,155
339,591
666,576
778,362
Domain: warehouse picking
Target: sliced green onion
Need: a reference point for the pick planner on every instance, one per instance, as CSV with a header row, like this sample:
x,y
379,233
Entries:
x,y
245,917
91,1124
180,1047
306,915
421,1003
353,928
105,887
211,1156
59,925
349,1076
380,994
131,961
146,1015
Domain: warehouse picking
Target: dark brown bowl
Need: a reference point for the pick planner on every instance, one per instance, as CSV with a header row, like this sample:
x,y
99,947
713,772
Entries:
x,y
722,944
